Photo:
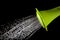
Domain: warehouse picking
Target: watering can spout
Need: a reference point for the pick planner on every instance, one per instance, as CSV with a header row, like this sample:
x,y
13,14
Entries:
x,y
47,16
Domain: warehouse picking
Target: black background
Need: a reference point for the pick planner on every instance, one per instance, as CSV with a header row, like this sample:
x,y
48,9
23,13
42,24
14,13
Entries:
x,y
13,10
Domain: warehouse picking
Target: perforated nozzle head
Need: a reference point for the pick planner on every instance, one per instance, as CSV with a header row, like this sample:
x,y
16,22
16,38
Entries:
x,y
47,16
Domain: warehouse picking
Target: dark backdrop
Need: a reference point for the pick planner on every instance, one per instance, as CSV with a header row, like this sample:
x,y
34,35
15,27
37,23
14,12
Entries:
x,y
14,10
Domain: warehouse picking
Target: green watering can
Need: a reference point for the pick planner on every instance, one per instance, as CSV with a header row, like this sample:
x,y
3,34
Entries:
x,y
47,16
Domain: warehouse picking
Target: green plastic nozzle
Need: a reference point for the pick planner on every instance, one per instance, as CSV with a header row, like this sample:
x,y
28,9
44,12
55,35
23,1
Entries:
x,y
47,16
